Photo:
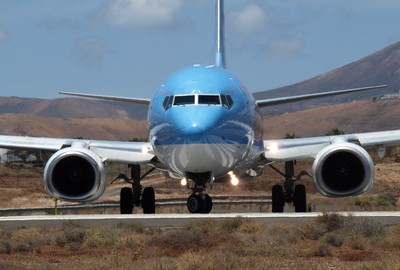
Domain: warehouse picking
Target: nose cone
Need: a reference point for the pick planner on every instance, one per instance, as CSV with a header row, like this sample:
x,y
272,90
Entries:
x,y
194,124
195,131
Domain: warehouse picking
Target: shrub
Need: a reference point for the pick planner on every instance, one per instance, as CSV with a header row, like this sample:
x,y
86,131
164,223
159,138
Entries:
x,y
5,247
326,223
61,240
385,200
205,260
29,239
394,236
101,237
231,225
331,221
252,227
349,225
133,227
24,247
322,250
176,242
205,226
191,260
333,239
364,226
4,233
357,243
74,246
74,232
312,230
282,235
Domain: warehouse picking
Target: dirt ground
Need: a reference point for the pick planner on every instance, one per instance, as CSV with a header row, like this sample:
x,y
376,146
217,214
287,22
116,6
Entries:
x,y
23,187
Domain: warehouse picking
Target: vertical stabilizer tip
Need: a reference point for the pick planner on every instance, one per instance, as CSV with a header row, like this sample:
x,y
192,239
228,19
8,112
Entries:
x,y
220,25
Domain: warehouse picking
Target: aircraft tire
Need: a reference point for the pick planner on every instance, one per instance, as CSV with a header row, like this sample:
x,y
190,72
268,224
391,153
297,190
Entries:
x,y
126,201
207,204
278,200
148,201
300,200
194,204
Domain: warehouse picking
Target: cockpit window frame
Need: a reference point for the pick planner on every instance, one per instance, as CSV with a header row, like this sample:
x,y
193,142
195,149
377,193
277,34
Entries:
x,y
224,100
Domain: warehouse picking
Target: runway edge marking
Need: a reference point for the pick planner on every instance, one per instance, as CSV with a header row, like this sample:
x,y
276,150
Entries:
x,y
387,218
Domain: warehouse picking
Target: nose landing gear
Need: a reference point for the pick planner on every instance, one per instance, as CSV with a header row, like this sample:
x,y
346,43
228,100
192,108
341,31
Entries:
x,y
199,202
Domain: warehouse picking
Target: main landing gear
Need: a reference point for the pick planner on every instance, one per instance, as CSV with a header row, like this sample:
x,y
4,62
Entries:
x,y
199,202
289,193
134,197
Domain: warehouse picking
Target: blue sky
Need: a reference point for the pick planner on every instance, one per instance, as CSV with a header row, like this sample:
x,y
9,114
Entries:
x,y
128,47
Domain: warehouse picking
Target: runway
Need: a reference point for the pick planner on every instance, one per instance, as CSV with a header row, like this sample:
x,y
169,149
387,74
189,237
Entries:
x,y
178,220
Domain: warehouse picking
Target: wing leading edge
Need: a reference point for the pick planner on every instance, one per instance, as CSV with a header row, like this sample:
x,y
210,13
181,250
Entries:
x,y
304,148
115,151
283,100
111,98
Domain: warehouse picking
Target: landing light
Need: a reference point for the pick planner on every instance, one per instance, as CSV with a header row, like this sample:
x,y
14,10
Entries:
x,y
146,149
183,181
234,181
273,148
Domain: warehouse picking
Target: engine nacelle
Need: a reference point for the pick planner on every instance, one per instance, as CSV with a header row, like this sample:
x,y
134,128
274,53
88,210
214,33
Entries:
x,y
75,174
343,169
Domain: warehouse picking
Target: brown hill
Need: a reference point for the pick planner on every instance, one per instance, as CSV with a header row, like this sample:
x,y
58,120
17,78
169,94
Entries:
x,y
382,67
353,117
72,108
89,128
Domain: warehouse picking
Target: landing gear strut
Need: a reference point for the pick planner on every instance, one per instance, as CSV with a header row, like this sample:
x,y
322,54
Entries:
x,y
199,202
131,197
289,193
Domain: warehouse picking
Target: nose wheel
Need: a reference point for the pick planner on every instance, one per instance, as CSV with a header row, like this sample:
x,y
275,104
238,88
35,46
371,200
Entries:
x,y
199,203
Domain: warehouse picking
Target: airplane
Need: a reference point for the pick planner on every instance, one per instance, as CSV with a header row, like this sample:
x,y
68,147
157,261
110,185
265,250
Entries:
x,y
206,127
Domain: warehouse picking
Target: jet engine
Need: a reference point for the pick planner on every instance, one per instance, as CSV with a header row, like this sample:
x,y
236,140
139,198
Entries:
x,y
343,169
75,174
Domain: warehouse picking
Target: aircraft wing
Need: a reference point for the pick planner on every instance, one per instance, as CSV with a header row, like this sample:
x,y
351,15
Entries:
x,y
304,148
283,100
111,98
123,152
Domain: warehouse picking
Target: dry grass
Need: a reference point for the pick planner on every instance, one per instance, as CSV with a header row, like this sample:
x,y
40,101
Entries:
x,y
331,241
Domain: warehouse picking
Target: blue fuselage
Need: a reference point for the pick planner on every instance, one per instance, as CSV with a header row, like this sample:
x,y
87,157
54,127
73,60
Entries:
x,y
203,119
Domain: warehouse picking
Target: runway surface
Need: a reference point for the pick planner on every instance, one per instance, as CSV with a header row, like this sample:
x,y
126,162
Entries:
x,y
177,220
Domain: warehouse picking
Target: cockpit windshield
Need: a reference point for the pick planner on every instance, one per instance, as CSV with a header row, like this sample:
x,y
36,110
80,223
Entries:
x,y
209,100
198,99
184,100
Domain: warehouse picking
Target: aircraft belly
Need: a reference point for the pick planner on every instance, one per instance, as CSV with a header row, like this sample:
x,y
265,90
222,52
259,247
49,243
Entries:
x,y
218,158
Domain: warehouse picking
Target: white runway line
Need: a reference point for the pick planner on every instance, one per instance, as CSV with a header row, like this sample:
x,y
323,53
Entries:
x,y
161,220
